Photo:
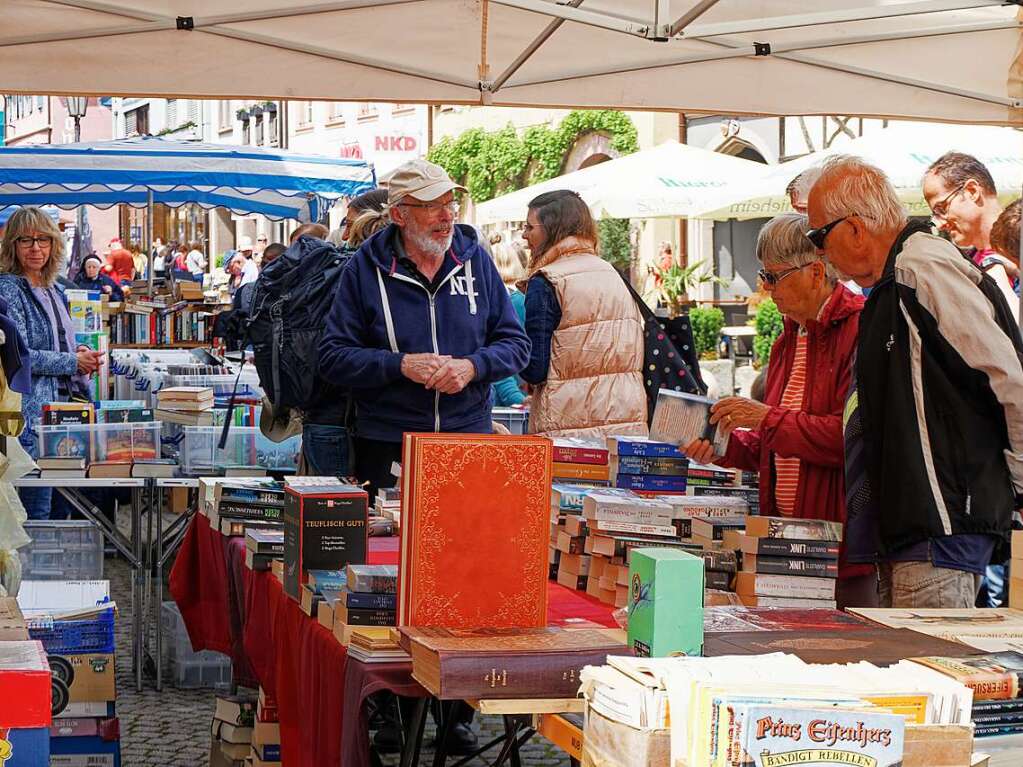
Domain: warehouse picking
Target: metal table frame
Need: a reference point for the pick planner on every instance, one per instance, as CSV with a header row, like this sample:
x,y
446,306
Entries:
x,y
129,546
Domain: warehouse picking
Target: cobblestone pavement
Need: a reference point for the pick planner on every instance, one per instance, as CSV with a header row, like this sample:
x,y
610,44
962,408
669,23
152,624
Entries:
x,y
172,728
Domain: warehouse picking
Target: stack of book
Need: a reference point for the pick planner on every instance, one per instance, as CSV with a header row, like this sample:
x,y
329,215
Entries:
x,y
61,467
388,504
162,321
579,461
786,562
231,734
185,405
363,596
263,545
239,505
566,503
375,644
266,734
647,466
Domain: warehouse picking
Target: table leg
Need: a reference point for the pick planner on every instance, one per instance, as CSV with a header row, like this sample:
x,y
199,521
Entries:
x,y
138,597
414,735
156,495
447,710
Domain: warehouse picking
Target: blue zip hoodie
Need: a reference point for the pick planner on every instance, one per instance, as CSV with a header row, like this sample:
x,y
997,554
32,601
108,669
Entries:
x,y
381,312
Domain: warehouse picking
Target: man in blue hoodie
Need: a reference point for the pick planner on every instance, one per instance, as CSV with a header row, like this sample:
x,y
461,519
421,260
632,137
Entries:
x,y
421,325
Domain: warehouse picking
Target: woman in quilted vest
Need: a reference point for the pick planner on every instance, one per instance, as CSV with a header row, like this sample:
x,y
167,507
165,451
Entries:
x,y
586,331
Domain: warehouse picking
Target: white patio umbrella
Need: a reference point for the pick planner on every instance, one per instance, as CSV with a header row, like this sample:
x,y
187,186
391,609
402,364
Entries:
x,y
903,151
669,180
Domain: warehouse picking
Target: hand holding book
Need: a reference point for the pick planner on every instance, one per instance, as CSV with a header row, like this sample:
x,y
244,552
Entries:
x,y
738,413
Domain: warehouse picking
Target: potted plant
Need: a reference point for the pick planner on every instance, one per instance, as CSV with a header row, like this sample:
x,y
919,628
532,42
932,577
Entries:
x,y
675,282
270,106
242,114
256,110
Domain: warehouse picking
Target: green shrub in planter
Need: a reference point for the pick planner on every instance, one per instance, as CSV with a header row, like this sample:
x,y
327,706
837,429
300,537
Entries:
x,y
707,322
769,324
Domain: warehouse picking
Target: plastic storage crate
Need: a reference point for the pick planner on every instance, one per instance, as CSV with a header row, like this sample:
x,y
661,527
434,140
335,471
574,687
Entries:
x,y
62,550
186,668
246,446
101,441
222,385
513,418
60,637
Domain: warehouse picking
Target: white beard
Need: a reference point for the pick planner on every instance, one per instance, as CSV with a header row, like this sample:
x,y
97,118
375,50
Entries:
x,y
423,242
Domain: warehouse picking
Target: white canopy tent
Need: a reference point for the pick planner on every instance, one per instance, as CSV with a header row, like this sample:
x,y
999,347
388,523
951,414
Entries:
x,y
903,151
948,60
669,180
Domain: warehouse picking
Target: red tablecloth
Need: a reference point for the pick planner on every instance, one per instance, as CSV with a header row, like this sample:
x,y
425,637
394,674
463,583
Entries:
x,y
246,615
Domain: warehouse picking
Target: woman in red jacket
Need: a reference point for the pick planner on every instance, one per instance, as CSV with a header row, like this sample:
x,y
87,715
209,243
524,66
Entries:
x,y
794,437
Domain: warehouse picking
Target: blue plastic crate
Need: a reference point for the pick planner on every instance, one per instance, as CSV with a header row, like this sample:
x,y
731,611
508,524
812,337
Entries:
x,y
95,635
516,420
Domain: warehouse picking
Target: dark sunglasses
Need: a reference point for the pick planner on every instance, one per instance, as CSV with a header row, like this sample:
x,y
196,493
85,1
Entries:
x,y
820,234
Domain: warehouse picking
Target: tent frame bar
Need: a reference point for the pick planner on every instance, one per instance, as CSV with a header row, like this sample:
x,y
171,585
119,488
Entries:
x,y
634,27
735,49
529,50
690,16
817,18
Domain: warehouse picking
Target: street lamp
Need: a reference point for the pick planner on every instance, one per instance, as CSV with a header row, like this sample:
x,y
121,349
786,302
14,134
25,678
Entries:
x,y
76,107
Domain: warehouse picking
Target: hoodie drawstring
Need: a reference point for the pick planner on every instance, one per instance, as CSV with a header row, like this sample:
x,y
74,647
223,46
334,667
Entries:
x,y
388,320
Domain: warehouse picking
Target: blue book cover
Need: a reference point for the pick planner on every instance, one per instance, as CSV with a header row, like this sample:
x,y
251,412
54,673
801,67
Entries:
x,y
651,482
569,497
326,579
643,447
28,747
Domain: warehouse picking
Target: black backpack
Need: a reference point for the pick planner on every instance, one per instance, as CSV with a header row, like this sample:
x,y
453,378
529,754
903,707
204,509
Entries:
x,y
291,300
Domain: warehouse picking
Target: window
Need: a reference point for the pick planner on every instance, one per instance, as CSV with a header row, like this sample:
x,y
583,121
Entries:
x,y
305,113
258,119
136,121
367,111
40,102
246,132
273,128
337,112
224,115
400,109
172,113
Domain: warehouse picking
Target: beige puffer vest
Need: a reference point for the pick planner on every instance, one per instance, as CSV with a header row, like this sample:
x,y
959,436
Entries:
x,y
594,384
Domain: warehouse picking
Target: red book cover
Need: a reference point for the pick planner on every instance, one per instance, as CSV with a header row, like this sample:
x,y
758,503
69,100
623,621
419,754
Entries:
x,y
25,687
572,450
475,512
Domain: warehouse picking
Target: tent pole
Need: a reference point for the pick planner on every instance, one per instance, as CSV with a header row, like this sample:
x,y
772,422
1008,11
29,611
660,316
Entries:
x,y
149,240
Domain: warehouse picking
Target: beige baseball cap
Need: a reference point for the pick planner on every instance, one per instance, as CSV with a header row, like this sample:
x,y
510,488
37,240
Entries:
x,y
421,179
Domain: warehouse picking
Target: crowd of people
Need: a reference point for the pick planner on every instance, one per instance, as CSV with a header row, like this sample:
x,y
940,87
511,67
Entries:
x,y
893,402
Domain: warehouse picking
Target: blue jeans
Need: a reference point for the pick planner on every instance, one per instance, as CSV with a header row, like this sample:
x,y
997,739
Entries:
x,y
325,449
36,500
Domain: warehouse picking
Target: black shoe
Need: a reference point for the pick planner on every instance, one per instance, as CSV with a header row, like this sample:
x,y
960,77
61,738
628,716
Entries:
x,y
387,740
461,740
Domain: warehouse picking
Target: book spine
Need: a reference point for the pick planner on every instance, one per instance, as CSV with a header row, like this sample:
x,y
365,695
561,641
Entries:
x,y
546,675
579,471
780,547
722,561
715,579
638,529
721,477
823,568
357,601
785,586
269,548
794,529
648,450
610,513
580,455
249,511
356,617
668,467
260,497
651,482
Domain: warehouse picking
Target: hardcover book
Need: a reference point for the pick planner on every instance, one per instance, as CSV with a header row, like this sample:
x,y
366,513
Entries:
x,y
621,505
823,568
267,492
758,584
574,450
780,547
372,579
355,600
794,528
325,528
363,617
992,676
665,602
475,530
568,498
680,418
636,464
643,447
572,471
536,663
651,483
750,494
241,510
715,528
265,541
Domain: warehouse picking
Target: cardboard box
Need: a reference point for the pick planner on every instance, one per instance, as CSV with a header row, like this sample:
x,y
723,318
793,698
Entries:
x,y
93,679
606,742
29,747
92,751
666,602
933,745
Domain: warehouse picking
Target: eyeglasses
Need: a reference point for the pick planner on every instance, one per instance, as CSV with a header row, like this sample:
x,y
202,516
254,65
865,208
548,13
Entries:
x,y
28,242
820,234
940,209
434,207
771,279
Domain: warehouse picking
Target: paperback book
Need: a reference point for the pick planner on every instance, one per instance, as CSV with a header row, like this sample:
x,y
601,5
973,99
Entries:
x,y
680,418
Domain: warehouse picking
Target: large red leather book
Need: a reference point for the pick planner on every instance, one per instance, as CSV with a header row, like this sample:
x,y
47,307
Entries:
x,y
475,527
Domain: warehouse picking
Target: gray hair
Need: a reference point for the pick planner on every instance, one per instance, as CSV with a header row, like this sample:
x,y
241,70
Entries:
x,y
857,188
800,186
782,243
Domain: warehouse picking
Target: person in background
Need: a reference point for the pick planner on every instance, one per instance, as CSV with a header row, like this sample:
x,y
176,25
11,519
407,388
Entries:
x,y
195,261
508,391
257,253
586,331
140,261
798,189
235,271
368,223
242,296
121,262
31,256
961,194
934,419
373,200
793,434
317,231
1005,237
90,277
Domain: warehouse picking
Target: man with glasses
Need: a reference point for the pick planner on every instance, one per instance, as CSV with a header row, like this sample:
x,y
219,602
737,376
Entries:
x,y
961,194
934,417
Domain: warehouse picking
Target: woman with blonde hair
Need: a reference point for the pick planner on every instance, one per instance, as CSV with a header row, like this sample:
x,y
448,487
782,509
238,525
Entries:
x,y
585,328
31,258
365,225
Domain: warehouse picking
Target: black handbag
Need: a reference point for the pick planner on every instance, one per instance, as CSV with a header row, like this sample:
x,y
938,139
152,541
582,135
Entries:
x,y
669,354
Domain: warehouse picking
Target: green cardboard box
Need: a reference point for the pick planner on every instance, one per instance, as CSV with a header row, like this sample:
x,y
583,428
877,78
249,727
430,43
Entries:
x,y
665,603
